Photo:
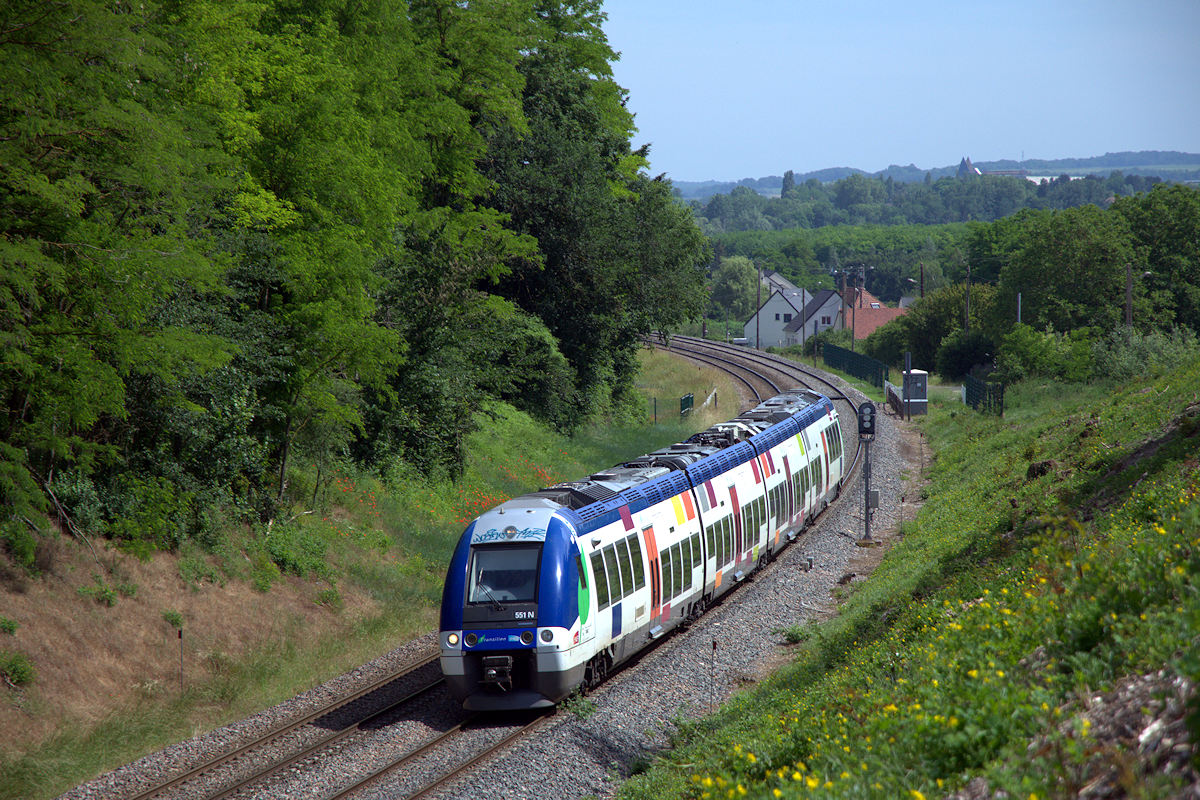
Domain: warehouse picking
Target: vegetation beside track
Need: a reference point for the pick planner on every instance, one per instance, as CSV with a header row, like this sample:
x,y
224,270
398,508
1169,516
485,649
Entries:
x,y
1053,562
370,557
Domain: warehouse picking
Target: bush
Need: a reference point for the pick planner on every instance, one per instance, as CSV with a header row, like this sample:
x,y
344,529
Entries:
x,y
8,626
1126,353
960,352
153,514
1025,353
297,550
16,668
19,543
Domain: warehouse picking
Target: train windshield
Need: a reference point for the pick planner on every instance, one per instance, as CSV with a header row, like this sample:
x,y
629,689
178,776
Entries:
x,y
506,574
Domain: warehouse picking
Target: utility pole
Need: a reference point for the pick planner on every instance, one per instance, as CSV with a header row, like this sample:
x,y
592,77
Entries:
x,y
758,311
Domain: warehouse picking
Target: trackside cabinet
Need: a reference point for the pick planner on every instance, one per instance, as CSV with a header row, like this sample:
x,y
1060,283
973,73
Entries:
x,y
916,391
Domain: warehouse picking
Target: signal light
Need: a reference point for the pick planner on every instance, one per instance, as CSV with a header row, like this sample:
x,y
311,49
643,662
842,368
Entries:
x,y
866,419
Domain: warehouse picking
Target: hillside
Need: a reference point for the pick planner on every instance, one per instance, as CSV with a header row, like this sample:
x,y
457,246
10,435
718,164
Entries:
x,y
1034,632
1167,165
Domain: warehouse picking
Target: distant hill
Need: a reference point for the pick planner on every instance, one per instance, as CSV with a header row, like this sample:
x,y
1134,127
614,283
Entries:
x,y
1170,165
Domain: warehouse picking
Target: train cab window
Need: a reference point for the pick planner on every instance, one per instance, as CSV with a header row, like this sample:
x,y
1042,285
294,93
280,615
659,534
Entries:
x,y
601,580
582,574
626,568
639,571
504,574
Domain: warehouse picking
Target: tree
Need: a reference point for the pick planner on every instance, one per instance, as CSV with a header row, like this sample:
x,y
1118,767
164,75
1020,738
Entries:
x,y
1070,271
1165,226
789,184
734,287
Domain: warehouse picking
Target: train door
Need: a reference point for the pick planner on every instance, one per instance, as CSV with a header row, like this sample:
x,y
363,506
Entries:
x,y
655,572
737,523
604,595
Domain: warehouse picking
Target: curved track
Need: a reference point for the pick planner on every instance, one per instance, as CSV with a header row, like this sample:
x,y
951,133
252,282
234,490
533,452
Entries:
x,y
754,368
340,719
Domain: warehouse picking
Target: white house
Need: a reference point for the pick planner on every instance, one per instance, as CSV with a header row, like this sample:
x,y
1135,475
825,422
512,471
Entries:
x,y
766,327
822,312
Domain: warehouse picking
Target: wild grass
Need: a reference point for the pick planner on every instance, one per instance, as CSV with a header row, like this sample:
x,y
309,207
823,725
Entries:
x,y
387,538
1016,596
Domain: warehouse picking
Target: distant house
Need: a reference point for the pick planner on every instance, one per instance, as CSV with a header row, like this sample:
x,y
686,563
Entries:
x,y
865,313
822,312
765,328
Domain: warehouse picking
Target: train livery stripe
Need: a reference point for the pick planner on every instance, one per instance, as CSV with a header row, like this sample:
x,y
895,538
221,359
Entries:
x,y
712,494
754,466
626,517
688,505
677,504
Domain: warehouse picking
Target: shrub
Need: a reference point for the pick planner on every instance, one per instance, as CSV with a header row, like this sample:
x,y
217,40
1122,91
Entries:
x,y
8,626
961,351
153,514
297,549
173,618
19,543
1126,353
16,668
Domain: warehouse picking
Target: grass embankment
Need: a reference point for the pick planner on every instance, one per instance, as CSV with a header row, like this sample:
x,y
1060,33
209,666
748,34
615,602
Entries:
x,y
370,552
1055,557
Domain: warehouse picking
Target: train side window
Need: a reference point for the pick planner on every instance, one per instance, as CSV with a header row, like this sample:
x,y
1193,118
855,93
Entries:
x,y
667,574
614,573
635,552
626,568
685,551
695,550
678,566
712,539
601,579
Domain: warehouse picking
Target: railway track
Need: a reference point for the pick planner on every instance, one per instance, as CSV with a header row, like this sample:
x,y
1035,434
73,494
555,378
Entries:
x,y
334,722
750,367
429,766
447,765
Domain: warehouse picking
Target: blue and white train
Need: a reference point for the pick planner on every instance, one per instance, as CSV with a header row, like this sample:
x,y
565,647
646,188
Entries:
x,y
548,591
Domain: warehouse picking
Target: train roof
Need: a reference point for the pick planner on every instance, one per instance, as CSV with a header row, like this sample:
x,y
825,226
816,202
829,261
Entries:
x,y
596,500
667,472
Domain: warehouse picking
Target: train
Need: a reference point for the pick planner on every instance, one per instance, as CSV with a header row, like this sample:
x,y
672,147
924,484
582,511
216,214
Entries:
x,y
546,593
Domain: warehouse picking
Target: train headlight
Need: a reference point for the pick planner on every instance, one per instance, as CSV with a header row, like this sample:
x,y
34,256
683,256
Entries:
x,y
452,640
472,640
547,635
526,637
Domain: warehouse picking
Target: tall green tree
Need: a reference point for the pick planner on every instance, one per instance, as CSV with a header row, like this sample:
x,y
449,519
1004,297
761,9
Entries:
x,y
1070,271
103,182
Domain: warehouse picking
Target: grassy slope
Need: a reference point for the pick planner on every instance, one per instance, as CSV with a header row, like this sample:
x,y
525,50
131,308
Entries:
x,y
1010,600
371,554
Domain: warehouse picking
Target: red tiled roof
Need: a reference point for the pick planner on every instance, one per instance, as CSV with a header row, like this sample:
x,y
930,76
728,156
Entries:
x,y
866,319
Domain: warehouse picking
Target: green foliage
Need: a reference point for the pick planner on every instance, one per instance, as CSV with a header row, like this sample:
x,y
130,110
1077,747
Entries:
x,y
173,618
297,550
962,352
975,649
16,668
1125,354
734,284
18,542
107,594
8,626
1025,352
150,514
580,705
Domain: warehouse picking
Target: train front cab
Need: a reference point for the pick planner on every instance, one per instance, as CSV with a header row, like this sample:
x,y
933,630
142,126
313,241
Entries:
x,y
510,618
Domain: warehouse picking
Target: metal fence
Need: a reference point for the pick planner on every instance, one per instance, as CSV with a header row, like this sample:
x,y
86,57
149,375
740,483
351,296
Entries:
x,y
858,365
982,396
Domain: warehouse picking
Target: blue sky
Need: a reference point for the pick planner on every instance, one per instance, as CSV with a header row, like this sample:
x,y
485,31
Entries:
x,y
730,90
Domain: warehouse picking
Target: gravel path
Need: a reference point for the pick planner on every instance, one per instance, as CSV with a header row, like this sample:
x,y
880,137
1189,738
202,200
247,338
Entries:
x,y
636,710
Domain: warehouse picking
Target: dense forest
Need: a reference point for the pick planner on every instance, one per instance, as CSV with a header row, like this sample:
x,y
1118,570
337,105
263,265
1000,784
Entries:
x,y
858,199
246,240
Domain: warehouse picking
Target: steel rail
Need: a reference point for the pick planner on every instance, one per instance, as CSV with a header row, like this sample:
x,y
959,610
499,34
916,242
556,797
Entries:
x,y
324,743
446,777
217,761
